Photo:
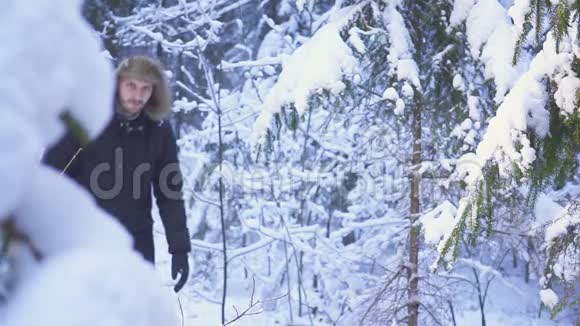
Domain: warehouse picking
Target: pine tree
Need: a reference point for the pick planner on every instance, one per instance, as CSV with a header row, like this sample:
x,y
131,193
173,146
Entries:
x,y
551,133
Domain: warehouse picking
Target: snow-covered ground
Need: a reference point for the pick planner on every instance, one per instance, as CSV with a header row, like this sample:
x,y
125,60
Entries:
x,y
504,305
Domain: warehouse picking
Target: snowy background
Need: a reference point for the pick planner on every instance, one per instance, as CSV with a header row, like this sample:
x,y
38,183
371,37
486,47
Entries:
x,y
376,162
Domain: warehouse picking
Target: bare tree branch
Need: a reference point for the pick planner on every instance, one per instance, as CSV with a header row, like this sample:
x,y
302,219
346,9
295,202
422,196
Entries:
x,y
378,296
248,311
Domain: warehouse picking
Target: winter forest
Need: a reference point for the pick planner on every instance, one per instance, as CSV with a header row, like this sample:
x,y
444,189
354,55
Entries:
x,y
347,162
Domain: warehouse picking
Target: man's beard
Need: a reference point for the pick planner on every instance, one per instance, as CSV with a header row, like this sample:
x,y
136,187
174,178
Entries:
x,y
136,105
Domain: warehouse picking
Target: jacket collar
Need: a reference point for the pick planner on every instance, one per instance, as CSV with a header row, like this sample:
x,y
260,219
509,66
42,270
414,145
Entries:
x,y
127,124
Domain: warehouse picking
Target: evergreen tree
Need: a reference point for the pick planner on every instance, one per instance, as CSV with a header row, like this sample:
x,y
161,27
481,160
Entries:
x,y
537,152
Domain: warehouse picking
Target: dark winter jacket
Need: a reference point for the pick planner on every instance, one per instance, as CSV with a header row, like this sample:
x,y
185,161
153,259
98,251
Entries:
x,y
122,165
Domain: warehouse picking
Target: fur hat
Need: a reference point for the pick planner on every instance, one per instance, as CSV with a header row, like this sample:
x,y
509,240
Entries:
x,y
148,69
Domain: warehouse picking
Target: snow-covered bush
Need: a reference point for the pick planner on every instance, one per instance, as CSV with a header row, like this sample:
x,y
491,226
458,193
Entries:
x,y
65,261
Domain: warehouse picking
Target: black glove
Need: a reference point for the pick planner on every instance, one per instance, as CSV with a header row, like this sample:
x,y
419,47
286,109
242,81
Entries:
x,y
179,264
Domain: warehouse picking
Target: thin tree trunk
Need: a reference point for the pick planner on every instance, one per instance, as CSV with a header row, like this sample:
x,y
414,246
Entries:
x,y
530,249
301,217
452,313
223,222
289,288
300,268
244,244
414,240
328,222
480,297
210,83
314,279
269,265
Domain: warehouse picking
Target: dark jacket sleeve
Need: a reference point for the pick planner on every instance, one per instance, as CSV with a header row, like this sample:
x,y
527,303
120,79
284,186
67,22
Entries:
x,y
64,155
167,187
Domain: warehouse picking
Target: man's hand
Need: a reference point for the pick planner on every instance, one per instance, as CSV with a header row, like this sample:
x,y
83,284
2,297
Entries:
x,y
179,264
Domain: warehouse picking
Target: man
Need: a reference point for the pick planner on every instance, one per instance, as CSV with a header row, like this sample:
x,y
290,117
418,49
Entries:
x,y
134,153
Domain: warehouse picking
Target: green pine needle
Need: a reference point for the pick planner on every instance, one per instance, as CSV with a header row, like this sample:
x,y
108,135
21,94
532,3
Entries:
x,y
77,128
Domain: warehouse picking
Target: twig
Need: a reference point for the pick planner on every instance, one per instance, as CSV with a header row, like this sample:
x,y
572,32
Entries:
x,y
247,312
71,160
181,311
253,289
210,83
12,233
378,297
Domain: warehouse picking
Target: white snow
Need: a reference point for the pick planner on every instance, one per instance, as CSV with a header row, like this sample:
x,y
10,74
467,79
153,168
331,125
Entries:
x,y
504,306
328,59
549,297
473,103
523,107
87,272
488,28
300,4
61,223
560,225
26,91
19,148
391,94
439,56
407,90
27,102
93,287
518,12
558,270
400,51
469,167
458,82
461,9
355,40
438,222
399,106
565,96
546,210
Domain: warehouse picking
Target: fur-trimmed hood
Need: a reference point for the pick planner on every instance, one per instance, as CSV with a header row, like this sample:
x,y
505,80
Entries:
x,y
145,68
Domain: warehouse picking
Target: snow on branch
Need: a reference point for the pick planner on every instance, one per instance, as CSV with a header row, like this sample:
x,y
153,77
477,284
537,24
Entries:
x,y
491,39
327,58
267,61
506,141
401,48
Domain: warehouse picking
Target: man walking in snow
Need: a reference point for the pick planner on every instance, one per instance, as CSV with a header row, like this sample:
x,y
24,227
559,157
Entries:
x,y
137,151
